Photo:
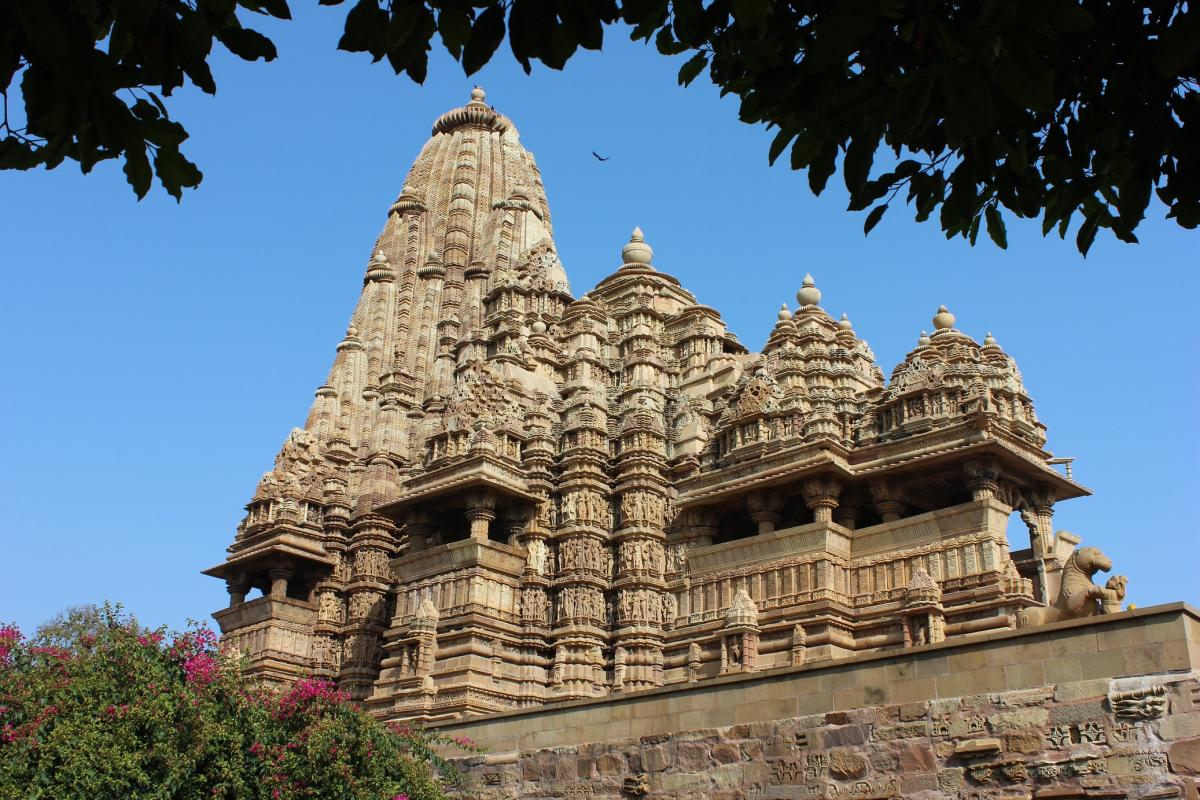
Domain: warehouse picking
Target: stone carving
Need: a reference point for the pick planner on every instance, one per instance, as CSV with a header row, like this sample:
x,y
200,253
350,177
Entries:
x,y
1146,703
637,785
1079,596
615,473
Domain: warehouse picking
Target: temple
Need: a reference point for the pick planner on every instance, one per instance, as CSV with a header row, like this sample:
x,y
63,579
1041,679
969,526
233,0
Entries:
x,y
505,495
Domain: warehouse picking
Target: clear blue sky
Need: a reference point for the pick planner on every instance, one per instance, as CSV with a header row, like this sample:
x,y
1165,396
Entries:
x,y
157,354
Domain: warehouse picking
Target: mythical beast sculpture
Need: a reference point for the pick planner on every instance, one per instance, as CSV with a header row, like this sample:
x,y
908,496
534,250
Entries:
x,y
1079,596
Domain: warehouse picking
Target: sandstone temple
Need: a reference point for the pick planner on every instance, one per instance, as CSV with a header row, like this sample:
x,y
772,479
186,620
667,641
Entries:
x,y
508,498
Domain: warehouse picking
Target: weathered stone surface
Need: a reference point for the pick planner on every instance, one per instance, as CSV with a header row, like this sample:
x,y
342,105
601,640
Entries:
x,y
972,748
725,753
913,711
844,765
918,757
1184,756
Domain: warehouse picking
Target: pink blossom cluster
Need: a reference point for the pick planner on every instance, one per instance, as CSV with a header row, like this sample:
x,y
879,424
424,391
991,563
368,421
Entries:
x,y
306,692
201,669
10,637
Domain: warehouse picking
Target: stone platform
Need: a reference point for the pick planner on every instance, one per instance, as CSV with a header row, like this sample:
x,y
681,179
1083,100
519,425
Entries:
x,y
1102,707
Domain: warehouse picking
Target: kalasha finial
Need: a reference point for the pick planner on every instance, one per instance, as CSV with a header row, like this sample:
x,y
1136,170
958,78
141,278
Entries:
x,y
923,340
989,340
784,313
809,294
538,326
637,251
943,320
478,95
351,332
844,323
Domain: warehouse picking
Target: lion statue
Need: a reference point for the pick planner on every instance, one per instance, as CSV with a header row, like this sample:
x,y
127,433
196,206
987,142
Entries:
x,y
1079,596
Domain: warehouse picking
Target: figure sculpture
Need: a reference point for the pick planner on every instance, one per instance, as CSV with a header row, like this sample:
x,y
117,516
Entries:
x,y
1079,596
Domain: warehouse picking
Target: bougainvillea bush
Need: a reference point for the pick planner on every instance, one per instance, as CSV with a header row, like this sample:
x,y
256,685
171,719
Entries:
x,y
116,711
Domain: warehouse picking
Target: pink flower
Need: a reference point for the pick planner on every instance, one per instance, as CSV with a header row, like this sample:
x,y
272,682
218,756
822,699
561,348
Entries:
x,y
200,669
10,637
401,796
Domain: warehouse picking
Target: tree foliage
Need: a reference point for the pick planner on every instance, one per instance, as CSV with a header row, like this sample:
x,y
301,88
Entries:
x,y
111,710
970,110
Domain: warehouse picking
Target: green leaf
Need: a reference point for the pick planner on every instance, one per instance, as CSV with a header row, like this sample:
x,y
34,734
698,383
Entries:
x,y
248,45
137,169
995,226
873,218
691,68
486,36
856,167
1086,235
779,144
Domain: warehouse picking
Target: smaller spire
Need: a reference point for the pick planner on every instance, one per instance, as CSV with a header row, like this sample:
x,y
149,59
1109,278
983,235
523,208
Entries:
x,y
943,320
924,340
637,252
844,323
784,313
809,294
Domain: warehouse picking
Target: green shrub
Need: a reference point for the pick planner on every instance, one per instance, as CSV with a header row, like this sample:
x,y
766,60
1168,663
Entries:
x,y
110,710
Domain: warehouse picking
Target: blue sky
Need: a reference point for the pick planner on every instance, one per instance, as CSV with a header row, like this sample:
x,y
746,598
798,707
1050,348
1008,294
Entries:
x,y
158,353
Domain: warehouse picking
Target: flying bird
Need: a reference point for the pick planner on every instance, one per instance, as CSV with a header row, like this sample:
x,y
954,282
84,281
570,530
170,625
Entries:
x,y
598,156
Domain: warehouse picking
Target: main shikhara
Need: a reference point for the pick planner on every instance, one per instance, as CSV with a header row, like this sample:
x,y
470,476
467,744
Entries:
x,y
505,496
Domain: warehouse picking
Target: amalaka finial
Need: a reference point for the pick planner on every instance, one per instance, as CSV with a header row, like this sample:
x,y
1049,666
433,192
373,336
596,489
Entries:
x,y
637,251
809,294
478,95
943,320
784,313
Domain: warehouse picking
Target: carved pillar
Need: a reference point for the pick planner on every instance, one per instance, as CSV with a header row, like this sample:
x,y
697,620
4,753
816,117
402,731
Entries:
x,y
887,501
515,521
420,529
764,508
821,496
481,510
799,646
983,478
1038,516
279,581
238,586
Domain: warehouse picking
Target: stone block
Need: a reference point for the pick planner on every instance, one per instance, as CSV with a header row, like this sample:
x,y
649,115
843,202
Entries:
x,y
843,736
951,780
1071,713
1081,690
974,748
655,759
1017,720
1179,726
1184,756
845,765
918,757
911,784
1029,741
677,782
726,753
913,711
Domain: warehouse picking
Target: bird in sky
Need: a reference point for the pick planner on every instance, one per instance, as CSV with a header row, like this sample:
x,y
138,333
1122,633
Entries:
x,y
599,157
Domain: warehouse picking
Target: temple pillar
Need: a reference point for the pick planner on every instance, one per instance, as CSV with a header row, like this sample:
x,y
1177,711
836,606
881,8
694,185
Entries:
x,y
279,581
821,496
886,498
764,510
983,479
238,586
1038,516
481,511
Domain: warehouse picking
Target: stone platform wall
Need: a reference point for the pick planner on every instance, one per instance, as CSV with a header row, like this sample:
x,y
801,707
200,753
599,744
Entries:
x,y
1103,708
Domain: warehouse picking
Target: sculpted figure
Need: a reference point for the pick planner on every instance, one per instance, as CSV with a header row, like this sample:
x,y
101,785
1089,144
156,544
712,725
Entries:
x,y
1079,597
1114,594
